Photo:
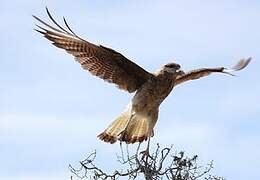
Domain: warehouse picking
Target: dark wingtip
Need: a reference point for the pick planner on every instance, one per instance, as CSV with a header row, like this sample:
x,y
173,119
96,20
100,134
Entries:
x,y
248,60
39,31
35,17
46,8
242,64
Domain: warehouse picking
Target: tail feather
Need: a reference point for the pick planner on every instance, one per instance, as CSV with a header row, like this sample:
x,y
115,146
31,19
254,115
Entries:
x,y
128,129
136,131
111,134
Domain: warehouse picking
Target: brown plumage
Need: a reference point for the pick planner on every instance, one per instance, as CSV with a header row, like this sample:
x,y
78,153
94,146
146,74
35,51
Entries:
x,y
136,124
100,61
198,73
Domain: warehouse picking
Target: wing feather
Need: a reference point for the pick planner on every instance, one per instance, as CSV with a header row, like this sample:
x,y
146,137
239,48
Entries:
x,y
198,73
100,61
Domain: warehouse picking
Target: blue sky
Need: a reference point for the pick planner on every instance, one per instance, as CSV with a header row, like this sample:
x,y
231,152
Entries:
x,y
51,110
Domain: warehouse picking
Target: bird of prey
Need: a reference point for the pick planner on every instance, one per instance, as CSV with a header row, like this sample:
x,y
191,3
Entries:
x,y
137,122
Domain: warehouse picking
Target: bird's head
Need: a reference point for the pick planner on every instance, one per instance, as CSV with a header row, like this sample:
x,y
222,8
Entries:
x,y
171,67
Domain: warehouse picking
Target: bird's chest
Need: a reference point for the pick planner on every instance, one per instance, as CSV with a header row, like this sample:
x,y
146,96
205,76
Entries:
x,y
152,93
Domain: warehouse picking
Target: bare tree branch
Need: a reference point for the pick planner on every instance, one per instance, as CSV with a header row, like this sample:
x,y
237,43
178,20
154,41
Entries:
x,y
160,164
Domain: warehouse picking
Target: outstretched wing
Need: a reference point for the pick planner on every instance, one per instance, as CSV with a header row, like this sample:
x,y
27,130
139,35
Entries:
x,y
198,73
100,61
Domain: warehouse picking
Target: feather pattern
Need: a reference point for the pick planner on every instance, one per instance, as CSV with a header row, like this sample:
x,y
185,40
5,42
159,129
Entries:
x,y
198,73
100,61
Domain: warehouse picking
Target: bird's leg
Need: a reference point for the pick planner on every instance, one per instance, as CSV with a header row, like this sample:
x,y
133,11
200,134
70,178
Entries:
x,y
146,152
148,144
122,152
137,150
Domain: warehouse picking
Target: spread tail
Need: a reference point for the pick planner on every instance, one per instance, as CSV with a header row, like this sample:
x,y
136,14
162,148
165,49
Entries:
x,y
127,128
111,134
137,130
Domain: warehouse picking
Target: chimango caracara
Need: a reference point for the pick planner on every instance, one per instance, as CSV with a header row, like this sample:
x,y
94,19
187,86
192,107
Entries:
x,y
137,122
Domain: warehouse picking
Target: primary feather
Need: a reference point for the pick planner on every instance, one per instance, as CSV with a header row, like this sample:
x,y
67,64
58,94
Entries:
x,y
100,61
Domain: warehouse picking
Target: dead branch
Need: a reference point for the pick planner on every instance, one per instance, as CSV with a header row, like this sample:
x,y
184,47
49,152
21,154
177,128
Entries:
x,y
160,164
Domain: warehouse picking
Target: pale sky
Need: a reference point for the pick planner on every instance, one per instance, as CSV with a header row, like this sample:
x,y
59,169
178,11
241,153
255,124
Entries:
x,y
51,110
